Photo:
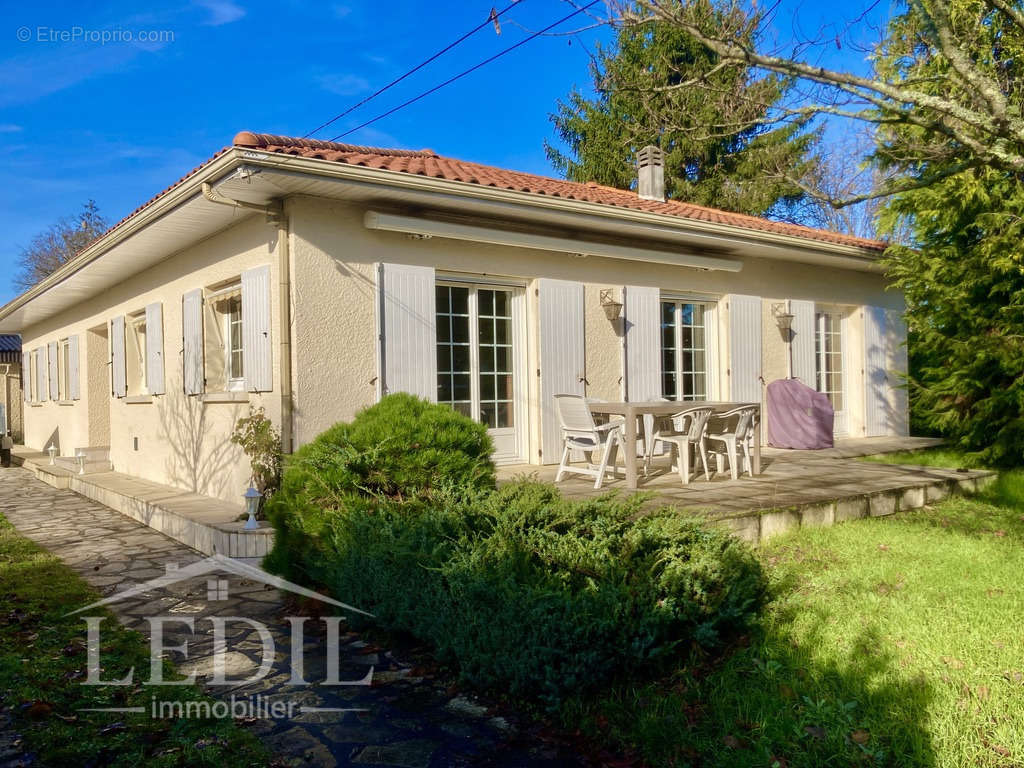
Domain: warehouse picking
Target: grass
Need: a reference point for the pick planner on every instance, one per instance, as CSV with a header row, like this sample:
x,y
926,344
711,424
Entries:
x,y
43,665
892,641
929,457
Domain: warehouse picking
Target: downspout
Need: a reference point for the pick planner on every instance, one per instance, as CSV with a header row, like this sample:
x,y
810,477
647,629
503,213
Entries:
x,y
284,279
275,215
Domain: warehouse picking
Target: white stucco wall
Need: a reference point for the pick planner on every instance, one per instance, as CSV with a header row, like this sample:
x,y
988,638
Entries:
x,y
335,313
182,441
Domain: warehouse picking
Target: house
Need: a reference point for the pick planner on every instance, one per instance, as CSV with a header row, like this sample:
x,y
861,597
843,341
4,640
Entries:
x,y
10,387
309,277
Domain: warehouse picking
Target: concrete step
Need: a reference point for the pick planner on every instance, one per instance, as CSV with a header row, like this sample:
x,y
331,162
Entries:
x,y
89,467
94,452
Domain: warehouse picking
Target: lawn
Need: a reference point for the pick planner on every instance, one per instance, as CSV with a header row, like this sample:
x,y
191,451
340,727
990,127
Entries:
x,y
43,663
889,641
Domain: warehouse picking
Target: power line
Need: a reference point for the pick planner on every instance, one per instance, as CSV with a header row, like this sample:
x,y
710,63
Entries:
x,y
462,74
492,18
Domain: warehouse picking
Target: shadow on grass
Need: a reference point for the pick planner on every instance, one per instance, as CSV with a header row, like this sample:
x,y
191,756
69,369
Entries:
x,y
774,703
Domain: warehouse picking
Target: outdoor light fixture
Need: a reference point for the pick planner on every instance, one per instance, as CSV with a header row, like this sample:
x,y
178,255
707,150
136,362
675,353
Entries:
x,y
52,450
612,308
252,505
80,456
783,318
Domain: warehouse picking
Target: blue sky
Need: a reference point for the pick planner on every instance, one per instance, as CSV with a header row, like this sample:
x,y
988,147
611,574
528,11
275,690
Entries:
x,y
119,121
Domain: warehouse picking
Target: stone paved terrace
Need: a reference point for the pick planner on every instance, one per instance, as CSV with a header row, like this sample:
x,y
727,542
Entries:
x,y
203,523
794,488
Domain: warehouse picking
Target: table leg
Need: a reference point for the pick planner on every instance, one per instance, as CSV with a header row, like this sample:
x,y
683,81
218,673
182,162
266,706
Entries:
x,y
757,447
629,449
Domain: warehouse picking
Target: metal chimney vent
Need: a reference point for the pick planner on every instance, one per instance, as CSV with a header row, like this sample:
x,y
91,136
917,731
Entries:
x,y
650,173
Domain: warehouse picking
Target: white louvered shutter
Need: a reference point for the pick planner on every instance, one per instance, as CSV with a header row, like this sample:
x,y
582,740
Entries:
x,y
896,348
876,380
642,314
192,341
744,348
155,348
803,341
41,374
256,360
74,387
562,356
118,380
51,357
407,327
26,389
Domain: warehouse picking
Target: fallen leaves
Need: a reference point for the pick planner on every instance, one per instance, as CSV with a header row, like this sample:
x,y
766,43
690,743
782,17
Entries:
x,y
860,736
952,662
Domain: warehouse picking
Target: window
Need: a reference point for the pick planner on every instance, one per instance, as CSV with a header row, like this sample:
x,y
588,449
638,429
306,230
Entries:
x,y
684,350
828,356
475,359
135,353
223,340
63,370
233,336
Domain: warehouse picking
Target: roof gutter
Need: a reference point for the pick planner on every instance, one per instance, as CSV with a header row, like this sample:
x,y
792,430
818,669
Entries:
x,y
149,213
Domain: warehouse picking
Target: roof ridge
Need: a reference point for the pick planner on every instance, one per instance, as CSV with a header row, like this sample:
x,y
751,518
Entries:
x,y
262,140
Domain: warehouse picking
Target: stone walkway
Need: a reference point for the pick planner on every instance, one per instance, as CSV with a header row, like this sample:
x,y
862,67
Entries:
x,y
409,720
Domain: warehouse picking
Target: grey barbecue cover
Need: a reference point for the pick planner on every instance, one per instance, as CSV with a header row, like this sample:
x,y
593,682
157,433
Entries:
x,y
798,416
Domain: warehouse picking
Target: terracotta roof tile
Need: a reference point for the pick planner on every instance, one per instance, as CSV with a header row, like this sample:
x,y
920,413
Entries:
x,y
427,163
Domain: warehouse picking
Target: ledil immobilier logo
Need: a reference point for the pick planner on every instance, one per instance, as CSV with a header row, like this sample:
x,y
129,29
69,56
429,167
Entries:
x,y
217,570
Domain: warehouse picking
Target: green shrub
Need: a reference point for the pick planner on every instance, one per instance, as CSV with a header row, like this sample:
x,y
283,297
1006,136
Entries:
x,y
517,588
401,449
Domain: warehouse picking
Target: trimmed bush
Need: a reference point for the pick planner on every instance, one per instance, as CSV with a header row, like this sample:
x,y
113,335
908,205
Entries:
x,y
400,449
518,588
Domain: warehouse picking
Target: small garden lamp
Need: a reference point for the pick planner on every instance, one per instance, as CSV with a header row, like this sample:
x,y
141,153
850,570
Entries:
x,y
81,461
52,450
252,505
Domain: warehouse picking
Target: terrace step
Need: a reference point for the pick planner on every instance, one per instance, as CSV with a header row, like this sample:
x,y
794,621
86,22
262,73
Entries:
x,y
88,467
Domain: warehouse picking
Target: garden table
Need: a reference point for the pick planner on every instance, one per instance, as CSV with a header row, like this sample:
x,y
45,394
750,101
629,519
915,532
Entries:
x,y
633,411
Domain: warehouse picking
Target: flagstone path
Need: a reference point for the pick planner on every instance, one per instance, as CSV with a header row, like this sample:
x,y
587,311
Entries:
x,y
406,720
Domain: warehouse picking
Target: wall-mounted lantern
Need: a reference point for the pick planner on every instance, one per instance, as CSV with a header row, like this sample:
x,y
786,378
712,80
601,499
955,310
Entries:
x,y
784,320
612,308
252,506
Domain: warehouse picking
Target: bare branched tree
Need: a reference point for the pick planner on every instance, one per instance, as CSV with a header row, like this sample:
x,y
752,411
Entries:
x,y
59,244
932,122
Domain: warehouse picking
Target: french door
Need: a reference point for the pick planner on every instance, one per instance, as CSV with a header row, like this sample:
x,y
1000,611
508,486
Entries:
x,y
685,352
828,355
480,360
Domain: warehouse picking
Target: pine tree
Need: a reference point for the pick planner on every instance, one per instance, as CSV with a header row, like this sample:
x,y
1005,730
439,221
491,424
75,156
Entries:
x,y
963,273
642,99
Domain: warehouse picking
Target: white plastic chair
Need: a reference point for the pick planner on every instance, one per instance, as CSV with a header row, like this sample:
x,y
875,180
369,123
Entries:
x,y
741,436
580,433
651,424
689,428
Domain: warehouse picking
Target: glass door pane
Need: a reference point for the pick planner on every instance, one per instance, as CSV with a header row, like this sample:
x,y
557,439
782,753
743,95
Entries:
x,y
454,363
669,386
495,354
